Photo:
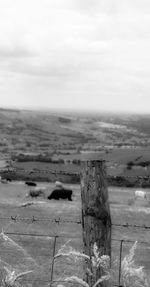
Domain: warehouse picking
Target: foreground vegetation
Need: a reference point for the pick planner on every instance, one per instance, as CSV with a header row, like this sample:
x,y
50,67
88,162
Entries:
x,y
25,252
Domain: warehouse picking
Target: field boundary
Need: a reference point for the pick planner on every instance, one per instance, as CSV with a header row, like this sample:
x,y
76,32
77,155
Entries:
x,y
62,220
62,172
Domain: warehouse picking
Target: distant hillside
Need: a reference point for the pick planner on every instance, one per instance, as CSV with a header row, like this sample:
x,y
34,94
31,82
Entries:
x,y
44,132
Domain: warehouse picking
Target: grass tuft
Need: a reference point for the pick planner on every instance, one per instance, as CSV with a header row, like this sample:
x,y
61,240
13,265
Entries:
x,y
96,261
11,277
77,280
133,275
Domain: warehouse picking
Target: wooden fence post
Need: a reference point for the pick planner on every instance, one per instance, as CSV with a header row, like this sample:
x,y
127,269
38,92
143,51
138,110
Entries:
x,y
96,220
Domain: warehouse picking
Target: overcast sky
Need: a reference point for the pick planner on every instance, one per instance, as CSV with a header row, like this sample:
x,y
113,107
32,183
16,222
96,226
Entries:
x,y
81,54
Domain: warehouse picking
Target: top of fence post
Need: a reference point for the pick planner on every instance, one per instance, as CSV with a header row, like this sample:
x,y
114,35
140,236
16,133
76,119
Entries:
x,y
96,221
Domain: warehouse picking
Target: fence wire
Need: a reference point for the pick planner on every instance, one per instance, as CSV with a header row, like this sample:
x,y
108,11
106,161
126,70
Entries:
x,y
36,219
15,218
52,281
60,220
66,173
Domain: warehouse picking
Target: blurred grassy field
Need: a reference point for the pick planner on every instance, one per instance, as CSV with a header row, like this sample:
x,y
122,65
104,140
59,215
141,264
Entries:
x,y
28,252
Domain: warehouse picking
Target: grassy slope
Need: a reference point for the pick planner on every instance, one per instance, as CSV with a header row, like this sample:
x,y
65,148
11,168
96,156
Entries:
x,y
34,131
40,132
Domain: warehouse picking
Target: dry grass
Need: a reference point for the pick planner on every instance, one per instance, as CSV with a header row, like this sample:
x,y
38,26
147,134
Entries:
x,y
97,261
11,275
132,274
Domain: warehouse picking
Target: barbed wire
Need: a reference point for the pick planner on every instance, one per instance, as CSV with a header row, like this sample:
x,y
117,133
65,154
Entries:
x,y
131,225
31,171
129,176
68,173
36,219
60,220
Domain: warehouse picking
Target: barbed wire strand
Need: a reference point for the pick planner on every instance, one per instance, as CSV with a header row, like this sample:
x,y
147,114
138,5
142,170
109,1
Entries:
x,y
63,220
35,219
62,172
128,225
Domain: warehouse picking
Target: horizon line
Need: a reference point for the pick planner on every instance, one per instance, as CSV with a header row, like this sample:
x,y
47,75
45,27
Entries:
x,y
70,110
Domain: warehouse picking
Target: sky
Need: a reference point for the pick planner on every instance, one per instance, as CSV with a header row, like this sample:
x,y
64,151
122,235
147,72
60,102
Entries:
x,y
75,54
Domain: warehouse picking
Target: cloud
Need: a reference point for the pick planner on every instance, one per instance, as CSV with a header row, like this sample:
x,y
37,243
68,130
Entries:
x,y
14,52
75,48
